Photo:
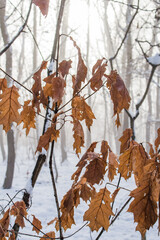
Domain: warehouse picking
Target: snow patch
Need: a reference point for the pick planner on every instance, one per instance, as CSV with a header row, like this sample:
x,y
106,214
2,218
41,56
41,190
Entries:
x,y
44,152
29,187
155,60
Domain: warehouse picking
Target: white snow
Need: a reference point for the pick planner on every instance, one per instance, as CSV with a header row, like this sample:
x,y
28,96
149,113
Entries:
x,y
155,60
43,202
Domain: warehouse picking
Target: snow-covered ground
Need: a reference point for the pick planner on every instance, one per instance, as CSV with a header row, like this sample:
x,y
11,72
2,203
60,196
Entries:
x,y
43,204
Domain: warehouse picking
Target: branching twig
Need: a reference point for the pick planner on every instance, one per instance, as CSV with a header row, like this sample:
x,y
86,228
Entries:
x,y
18,33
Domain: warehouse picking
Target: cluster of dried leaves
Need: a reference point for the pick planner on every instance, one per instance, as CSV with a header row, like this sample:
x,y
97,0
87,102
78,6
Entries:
x,y
93,168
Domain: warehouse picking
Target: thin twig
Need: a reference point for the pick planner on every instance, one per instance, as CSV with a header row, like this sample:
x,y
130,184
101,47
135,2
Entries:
x,y
18,33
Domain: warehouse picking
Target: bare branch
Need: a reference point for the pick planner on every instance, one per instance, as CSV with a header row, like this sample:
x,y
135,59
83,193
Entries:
x,y
18,33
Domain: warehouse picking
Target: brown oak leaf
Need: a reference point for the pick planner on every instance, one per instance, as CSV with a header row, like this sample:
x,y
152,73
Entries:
x,y
27,116
104,150
81,70
3,84
82,111
9,107
4,223
43,5
98,71
51,235
157,141
37,226
99,211
112,166
50,135
78,136
119,94
125,140
19,210
64,67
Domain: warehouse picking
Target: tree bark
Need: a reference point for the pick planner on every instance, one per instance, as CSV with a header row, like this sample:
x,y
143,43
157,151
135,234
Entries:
x,y
10,135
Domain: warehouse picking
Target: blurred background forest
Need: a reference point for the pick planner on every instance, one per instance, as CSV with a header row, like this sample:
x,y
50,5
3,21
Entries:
x,y
126,31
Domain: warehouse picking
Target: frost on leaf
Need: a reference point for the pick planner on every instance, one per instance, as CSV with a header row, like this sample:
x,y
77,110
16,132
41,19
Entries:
x,y
19,210
81,70
119,94
78,136
3,84
125,140
9,107
27,116
50,135
99,211
43,5
82,111
98,71
37,226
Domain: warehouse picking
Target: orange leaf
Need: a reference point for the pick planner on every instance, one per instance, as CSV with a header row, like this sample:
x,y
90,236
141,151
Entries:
x,y
37,226
43,5
125,140
119,94
99,211
81,70
157,141
38,96
3,84
82,111
50,135
19,210
112,166
78,136
52,221
64,67
9,106
54,87
98,72
4,223
28,117
104,150
49,234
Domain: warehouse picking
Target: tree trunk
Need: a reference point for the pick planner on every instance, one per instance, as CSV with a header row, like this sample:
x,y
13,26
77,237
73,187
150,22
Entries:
x,y
10,134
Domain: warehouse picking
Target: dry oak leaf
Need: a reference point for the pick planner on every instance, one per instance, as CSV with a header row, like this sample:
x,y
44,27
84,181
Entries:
x,y
114,194
78,136
125,140
157,141
54,87
144,205
19,210
38,96
86,190
9,107
112,166
83,162
82,111
133,159
104,150
37,226
48,236
64,67
43,5
27,116
97,72
95,170
67,219
81,70
4,223
50,135
99,211
119,94
3,84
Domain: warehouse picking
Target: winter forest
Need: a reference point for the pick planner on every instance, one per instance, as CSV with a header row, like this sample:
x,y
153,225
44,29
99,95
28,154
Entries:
x,y
79,119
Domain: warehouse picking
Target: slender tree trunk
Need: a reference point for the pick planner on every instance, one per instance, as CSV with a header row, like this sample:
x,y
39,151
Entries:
x,y
10,135
2,144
